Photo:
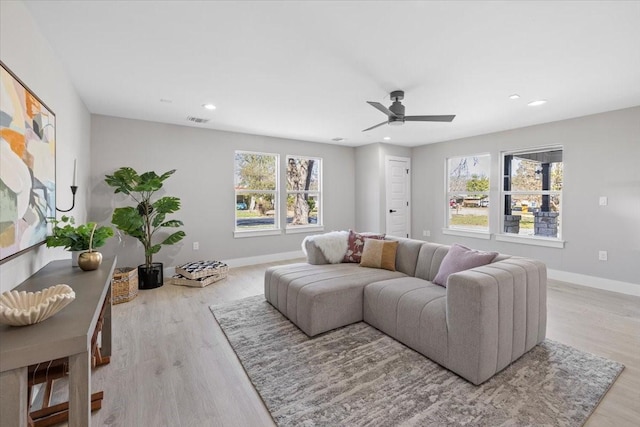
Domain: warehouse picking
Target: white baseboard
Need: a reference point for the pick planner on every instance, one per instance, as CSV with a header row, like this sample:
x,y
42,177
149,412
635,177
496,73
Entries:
x,y
595,282
262,259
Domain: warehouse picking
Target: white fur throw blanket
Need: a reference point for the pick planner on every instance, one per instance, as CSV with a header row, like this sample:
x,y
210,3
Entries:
x,y
333,245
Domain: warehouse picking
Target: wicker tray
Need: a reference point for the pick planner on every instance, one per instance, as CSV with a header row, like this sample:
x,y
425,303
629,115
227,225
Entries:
x,y
198,269
180,280
124,286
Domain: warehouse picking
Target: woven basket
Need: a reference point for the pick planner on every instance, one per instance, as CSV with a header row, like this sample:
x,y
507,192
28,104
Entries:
x,y
198,269
124,286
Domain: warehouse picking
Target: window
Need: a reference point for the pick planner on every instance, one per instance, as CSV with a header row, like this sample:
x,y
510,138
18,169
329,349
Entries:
x,y
304,192
467,201
532,192
256,191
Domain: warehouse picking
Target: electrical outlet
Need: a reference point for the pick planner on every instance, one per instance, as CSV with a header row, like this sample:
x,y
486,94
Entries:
x,y
196,246
603,201
602,255
426,233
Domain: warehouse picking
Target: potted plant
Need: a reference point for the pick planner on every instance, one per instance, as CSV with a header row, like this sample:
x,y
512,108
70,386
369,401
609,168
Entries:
x,y
65,233
146,218
91,259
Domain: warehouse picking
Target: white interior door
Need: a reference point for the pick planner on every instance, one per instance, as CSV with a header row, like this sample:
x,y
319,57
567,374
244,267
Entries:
x,y
398,177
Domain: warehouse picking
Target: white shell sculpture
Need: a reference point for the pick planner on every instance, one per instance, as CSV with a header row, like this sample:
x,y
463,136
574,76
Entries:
x,y
26,308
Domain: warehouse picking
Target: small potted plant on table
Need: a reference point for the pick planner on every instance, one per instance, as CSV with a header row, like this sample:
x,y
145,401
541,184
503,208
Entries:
x,y
76,239
145,219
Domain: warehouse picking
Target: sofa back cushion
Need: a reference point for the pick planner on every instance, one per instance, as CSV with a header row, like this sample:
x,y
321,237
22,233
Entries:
x,y
429,260
407,254
313,253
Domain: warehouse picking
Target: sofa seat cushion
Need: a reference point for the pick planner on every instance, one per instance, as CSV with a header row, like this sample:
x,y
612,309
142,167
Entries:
x,y
318,298
411,310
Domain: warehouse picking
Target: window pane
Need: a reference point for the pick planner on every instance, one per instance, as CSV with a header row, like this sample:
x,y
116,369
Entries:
x,y
254,171
303,174
470,212
304,182
303,209
527,217
255,211
541,173
468,192
536,171
469,174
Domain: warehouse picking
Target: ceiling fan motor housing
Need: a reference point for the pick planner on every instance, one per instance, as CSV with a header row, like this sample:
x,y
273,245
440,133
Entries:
x,y
397,108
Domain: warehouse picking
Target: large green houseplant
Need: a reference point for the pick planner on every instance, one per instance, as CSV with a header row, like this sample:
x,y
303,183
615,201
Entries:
x,y
146,218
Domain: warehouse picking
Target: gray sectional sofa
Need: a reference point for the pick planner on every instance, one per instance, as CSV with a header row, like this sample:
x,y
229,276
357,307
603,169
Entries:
x,y
485,319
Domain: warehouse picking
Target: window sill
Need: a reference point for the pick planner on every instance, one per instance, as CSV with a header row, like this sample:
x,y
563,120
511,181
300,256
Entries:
x,y
531,240
255,233
304,229
467,233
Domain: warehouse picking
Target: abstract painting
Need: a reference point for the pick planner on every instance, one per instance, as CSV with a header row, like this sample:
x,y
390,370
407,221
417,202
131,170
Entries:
x,y
27,166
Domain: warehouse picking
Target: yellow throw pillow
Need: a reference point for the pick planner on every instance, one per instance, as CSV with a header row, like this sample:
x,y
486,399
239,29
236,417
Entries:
x,y
379,254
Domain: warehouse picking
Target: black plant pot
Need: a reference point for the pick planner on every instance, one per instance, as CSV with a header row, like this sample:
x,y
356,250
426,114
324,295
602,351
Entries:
x,y
150,278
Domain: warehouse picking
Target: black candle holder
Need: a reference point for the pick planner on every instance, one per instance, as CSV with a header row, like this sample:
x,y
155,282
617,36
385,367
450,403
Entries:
x,y
74,188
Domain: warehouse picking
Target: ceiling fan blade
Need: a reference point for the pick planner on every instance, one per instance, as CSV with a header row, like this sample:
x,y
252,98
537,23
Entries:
x,y
373,127
429,118
382,108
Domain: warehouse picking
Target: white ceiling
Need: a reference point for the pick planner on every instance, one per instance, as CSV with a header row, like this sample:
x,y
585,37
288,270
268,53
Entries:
x,y
304,70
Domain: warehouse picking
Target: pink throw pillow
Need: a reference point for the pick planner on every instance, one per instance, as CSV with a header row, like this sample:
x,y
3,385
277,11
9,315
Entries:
x,y
355,245
460,258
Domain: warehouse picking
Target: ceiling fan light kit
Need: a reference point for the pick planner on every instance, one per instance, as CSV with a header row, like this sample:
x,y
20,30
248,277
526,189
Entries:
x,y
395,113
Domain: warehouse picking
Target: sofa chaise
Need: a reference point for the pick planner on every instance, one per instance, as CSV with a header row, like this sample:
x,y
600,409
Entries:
x,y
483,320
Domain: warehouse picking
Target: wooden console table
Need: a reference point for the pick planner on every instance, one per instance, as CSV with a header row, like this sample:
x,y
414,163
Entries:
x,y
66,334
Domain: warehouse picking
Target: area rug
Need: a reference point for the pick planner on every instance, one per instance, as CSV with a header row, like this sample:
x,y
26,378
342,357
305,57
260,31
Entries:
x,y
357,376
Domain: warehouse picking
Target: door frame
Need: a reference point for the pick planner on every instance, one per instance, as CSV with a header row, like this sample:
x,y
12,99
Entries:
x,y
387,179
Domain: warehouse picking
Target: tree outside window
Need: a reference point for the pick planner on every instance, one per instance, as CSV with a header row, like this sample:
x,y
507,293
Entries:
x,y
467,202
304,186
256,191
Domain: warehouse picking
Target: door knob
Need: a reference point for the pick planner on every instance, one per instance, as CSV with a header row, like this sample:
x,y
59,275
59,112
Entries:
x,y
392,210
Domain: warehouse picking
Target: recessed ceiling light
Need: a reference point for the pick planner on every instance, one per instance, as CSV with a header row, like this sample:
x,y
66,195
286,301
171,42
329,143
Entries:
x,y
514,96
537,102
339,139
209,106
387,138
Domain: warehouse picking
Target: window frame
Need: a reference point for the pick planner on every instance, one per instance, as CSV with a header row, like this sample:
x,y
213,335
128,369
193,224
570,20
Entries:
x,y
537,240
241,233
319,226
461,230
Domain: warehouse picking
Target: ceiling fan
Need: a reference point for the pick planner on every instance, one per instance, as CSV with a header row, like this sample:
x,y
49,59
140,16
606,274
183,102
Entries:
x,y
395,113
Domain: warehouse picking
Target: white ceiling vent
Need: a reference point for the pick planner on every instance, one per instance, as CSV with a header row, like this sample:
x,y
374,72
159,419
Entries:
x,y
197,119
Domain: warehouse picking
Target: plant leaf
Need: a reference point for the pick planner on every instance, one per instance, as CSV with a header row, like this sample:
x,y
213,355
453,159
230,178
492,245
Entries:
x,y
167,205
153,249
174,238
157,220
172,223
129,220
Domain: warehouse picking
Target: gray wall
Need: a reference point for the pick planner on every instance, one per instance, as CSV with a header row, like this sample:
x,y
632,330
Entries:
x,y
370,186
204,160
601,158
27,53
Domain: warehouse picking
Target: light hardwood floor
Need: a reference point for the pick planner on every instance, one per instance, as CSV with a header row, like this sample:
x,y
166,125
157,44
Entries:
x,y
172,366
